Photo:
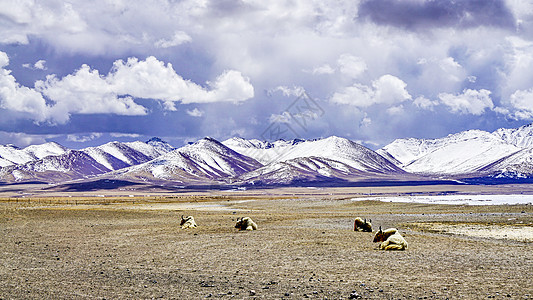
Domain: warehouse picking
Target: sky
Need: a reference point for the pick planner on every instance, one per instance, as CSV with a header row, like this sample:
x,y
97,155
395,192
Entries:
x,y
83,73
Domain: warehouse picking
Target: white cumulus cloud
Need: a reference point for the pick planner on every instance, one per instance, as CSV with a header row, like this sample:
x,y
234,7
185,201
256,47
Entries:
x,y
387,89
18,98
86,91
521,103
153,79
473,102
38,65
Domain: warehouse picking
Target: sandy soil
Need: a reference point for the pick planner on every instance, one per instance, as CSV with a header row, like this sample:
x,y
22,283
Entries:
x,y
304,248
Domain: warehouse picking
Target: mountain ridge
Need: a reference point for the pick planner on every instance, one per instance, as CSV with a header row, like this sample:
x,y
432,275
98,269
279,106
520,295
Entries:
x,y
504,153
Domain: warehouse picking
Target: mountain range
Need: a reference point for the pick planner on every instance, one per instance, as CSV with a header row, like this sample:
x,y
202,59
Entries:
x,y
504,153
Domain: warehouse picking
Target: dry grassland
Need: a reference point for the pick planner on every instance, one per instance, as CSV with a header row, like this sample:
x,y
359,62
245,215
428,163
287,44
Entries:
x,y
120,247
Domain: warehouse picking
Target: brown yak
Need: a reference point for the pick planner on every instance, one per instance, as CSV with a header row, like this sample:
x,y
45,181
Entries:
x,y
246,223
362,225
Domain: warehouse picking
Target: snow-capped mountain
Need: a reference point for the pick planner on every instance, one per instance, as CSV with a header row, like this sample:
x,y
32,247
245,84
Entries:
x,y
262,151
55,168
207,159
460,153
303,169
52,162
470,154
516,165
341,150
333,148
116,155
161,146
12,155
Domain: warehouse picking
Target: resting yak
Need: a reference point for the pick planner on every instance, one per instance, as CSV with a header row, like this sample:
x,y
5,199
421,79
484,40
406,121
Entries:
x,y
362,225
188,222
390,239
246,223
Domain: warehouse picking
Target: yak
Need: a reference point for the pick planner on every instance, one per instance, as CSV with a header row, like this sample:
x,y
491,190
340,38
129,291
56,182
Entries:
x,y
188,222
245,223
362,225
390,239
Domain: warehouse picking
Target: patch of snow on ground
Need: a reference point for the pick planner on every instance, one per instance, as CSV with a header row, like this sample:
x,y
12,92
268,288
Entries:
x,y
457,199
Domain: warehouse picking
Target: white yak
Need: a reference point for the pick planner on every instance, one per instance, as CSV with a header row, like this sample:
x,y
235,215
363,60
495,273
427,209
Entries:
x,y
188,222
390,239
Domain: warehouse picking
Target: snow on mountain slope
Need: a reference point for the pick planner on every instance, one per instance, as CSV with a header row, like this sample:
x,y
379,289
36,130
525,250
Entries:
x,y
161,146
5,162
116,155
303,169
262,151
516,165
12,155
125,153
460,153
105,159
71,165
389,157
153,148
50,159
344,151
205,159
332,148
44,150
521,137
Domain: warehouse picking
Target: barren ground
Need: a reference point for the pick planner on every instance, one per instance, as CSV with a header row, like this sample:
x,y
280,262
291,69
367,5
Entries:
x,y
132,247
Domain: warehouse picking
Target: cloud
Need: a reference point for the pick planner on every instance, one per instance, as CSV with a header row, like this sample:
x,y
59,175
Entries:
x,y
425,103
120,134
22,139
469,102
247,46
178,38
521,104
152,79
396,110
365,121
387,90
429,14
195,112
19,98
38,65
284,117
323,69
83,138
295,91
25,18
86,91
352,66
